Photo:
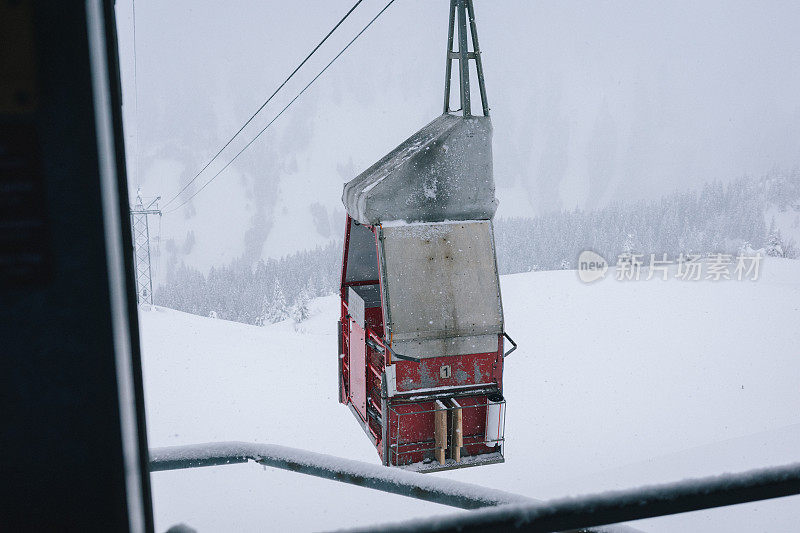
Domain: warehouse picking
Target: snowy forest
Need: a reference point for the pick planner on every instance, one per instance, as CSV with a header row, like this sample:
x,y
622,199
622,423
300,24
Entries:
x,y
717,218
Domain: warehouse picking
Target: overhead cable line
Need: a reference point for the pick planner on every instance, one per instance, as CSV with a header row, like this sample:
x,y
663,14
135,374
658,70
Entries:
x,y
137,152
284,108
267,101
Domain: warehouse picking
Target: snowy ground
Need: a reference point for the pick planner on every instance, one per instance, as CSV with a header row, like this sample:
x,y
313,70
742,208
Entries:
x,y
615,384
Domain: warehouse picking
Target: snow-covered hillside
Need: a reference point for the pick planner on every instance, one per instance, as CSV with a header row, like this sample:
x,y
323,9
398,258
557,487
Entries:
x,y
616,384
590,102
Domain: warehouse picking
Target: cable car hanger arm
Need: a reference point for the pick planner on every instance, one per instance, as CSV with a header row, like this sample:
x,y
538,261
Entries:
x,y
382,345
514,345
401,356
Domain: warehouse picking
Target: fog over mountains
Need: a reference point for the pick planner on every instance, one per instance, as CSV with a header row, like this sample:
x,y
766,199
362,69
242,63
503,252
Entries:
x,y
592,102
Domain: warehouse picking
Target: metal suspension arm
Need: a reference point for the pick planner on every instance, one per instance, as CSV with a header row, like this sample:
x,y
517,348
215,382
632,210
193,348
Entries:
x,y
375,342
460,12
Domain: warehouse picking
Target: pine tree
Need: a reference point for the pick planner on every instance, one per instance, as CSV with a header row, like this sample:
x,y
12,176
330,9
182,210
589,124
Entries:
x,y
774,246
300,310
275,308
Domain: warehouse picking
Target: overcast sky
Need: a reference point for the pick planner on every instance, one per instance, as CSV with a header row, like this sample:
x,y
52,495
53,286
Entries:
x,y
591,101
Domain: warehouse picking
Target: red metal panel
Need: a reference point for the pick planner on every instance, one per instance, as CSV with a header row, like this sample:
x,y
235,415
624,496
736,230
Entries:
x,y
374,319
358,368
474,369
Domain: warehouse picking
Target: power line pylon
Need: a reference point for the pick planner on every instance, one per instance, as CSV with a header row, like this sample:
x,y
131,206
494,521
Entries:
x,y
141,247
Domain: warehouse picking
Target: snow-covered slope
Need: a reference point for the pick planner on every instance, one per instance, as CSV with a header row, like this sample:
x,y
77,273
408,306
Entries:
x,y
615,384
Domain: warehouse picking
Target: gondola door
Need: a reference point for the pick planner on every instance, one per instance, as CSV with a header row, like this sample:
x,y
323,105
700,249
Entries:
x,y
358,354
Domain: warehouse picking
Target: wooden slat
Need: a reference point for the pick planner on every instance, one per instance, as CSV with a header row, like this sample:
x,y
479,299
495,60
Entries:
x,y
440,431
456,430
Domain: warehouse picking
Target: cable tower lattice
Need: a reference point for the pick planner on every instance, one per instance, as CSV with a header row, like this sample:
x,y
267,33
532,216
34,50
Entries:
x,y
141,247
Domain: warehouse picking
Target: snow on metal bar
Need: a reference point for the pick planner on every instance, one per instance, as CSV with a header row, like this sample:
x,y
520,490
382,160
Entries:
x,y
412,484
616,506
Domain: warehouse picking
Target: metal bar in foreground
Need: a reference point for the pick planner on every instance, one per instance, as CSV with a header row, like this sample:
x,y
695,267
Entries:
x,y
393,480
617,506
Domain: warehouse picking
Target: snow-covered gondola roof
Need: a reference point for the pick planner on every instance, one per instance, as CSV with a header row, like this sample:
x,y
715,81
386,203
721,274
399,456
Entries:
x,y
442,172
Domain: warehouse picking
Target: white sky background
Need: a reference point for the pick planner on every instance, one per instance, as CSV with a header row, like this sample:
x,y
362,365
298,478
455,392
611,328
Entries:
x,y
591,101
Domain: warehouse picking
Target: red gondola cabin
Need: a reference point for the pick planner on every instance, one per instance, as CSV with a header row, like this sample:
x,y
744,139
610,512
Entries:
x,y
421,328
421,334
